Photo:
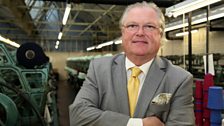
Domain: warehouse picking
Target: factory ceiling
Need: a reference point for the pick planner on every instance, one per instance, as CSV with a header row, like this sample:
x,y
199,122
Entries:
x,y
90,22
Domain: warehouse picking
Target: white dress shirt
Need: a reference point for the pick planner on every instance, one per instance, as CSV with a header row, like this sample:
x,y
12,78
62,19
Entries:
x,y
144,68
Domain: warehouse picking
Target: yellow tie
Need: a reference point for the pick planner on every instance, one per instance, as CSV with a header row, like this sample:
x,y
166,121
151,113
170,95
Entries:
x,y
133,87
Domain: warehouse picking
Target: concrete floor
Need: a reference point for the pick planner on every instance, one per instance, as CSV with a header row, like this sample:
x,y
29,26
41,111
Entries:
x,y
65,96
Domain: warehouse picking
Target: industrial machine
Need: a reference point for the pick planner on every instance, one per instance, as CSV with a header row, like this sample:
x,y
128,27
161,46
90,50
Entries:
x,y
198,66
27,89
77,68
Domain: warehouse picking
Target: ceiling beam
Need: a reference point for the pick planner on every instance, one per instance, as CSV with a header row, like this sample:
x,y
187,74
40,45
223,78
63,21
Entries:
x,y
73,9
160,3
46,22
97,19
22,17
54,30
53,38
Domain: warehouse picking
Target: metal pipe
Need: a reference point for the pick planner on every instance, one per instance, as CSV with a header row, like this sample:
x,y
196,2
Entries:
x,y
160,3
189,43
94,22
207,39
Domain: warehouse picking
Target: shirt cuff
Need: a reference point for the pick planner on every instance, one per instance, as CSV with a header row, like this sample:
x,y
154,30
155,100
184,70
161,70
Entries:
x,y
135,122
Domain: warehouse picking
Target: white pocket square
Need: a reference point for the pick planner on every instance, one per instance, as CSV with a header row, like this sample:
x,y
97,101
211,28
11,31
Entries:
x,y
162,98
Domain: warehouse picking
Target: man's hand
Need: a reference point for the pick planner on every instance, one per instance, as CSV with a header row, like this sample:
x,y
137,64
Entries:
x,y
152,121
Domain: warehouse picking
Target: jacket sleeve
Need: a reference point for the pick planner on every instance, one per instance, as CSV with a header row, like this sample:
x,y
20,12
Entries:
x,y
86,111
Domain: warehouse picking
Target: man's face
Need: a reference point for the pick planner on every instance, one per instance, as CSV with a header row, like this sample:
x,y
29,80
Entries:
x,y
141,33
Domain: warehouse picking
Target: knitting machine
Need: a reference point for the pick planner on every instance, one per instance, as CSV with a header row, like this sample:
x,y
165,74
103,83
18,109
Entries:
x,y
27,91
198,66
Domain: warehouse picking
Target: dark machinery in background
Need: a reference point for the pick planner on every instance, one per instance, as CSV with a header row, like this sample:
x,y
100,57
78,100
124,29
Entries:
x,y
198,66
77,67
27,88
77,70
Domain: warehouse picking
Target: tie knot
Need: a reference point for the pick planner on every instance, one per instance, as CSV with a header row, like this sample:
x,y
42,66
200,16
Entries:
x,y
135,71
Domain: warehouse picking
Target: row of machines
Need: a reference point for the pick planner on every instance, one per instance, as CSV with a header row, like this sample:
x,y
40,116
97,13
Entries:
x,y
77,68
27,87
198,65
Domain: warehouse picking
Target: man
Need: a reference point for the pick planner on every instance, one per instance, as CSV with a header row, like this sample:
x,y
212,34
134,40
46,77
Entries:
x,y
163,95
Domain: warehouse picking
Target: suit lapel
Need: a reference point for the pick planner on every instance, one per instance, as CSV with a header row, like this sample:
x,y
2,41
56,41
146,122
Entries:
x,y
151,84
120,84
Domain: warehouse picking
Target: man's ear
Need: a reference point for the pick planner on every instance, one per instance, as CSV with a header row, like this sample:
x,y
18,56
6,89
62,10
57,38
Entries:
x,y
161,33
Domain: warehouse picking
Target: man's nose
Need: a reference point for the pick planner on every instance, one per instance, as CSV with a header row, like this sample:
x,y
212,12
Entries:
x,y
140,30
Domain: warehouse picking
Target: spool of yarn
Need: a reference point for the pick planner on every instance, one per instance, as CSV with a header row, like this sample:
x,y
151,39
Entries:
x,y
215,124
198,97
205,99
215,98
208,81
198,89
206,113
206,122
216,117
198,112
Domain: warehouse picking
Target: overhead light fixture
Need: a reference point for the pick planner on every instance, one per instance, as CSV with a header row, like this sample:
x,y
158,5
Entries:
x,y
185,33
8,41
90,48
188,6
66,14
60,35
104,44
57,42
118,42
56,46
215,14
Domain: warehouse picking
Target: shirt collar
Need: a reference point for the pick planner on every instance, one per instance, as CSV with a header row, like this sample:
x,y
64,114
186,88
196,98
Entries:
x,y
144,68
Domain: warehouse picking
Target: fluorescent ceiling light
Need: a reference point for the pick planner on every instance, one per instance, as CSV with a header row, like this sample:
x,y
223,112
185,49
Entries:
x,y
176,27
57,42
215,14
118,42
104,44
66,14
90,48
187,6
60,35
8,41
185,33
56,46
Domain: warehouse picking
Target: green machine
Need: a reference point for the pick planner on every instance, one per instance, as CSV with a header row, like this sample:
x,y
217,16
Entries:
x,y
27,89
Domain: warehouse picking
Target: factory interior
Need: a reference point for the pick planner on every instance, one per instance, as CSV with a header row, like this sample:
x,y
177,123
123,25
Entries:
x,y
46,47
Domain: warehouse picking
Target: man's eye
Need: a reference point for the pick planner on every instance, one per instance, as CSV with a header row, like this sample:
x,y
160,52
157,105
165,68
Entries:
x,y
132,26
150,27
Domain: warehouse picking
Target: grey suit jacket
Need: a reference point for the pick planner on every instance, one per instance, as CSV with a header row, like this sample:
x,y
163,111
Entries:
x,y
103,98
